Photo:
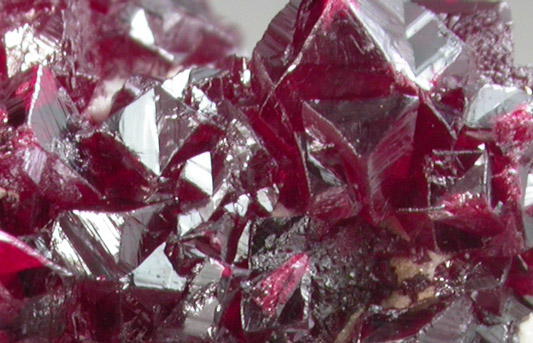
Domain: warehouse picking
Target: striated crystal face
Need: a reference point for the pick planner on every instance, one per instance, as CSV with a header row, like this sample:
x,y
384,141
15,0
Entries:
x,y
366,176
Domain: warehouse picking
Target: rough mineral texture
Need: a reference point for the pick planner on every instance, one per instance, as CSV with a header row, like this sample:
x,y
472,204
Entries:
x,y
365,177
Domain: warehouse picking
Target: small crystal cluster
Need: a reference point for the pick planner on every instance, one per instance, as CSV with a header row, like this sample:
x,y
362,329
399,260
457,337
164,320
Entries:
x,y
365,177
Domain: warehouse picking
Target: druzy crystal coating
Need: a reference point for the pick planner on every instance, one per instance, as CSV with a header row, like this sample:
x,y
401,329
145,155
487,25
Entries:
x,y
365,177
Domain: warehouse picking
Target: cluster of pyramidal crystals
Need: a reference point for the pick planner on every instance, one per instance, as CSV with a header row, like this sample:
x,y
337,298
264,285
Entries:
x,y
365,177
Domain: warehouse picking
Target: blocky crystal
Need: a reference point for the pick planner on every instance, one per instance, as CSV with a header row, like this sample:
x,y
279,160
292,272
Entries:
x,y
366,176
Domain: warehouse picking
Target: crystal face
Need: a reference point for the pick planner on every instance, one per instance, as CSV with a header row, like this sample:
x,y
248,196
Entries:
x,y
366,176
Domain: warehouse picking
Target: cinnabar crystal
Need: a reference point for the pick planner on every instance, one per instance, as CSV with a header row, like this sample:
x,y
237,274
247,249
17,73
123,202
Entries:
x,y
364,177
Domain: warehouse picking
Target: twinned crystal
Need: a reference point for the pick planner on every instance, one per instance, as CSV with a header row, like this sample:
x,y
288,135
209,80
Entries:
x,y
365,177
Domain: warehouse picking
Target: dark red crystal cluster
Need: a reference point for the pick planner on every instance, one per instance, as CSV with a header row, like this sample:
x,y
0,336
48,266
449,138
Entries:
x,y
365,177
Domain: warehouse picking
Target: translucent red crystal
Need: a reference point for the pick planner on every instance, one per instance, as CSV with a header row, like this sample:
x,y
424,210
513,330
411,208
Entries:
x,y
364,177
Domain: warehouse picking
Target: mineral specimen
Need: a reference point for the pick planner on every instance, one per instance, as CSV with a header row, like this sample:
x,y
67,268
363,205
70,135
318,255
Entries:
x,y
365,177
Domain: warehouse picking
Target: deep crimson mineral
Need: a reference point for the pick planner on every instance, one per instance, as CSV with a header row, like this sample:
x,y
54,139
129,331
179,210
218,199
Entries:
x,y
364,177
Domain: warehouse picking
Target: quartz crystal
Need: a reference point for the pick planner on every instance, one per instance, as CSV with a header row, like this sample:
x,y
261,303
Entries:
x,y
364,177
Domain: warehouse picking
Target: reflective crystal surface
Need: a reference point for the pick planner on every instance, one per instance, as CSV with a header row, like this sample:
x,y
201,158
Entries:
x,y
364,177
93,46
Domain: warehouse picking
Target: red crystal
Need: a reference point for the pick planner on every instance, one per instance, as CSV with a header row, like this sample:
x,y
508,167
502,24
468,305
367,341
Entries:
x,y
363,177
17,256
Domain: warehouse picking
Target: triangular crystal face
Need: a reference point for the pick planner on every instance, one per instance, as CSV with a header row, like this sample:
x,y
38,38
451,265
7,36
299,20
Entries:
x,y
267,297
35,99
137,128
110,245
198,171
154,128
457,173
156,272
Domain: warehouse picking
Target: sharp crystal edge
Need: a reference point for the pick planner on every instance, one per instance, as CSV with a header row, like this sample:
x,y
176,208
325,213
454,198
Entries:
x,y
365,176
